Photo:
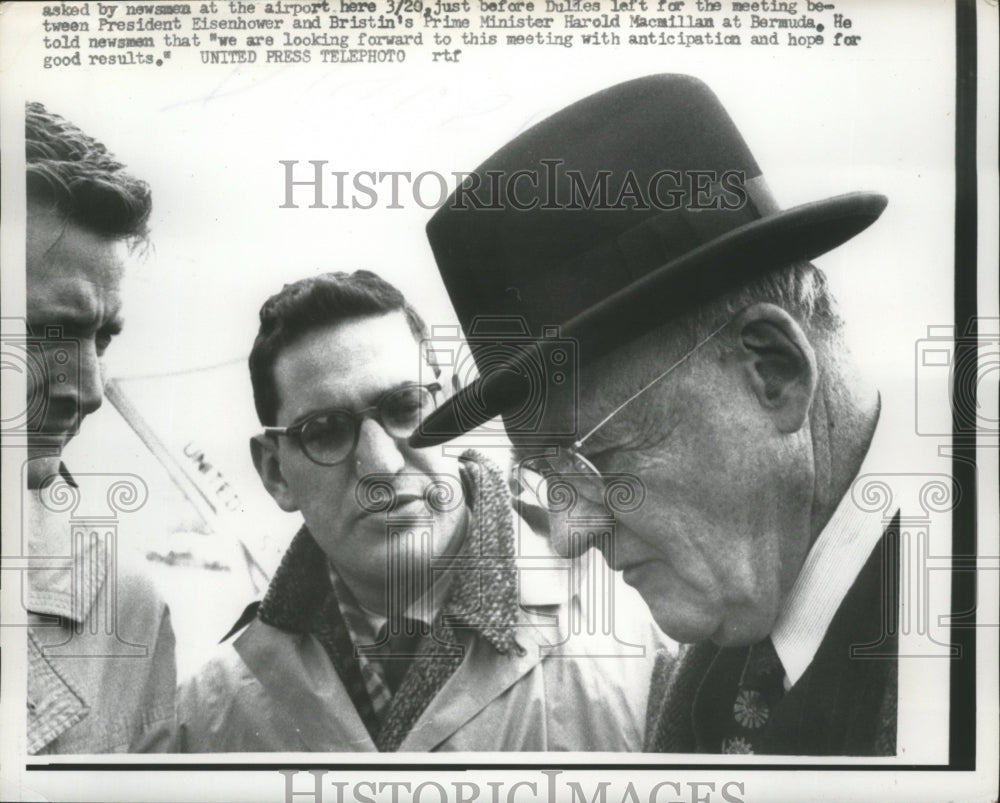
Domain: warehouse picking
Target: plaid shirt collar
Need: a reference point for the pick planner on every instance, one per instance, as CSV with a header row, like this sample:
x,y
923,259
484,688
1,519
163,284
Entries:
x,y
362,632
367,628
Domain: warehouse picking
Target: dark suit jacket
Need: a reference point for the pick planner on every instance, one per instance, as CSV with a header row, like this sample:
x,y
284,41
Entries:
x,y
845,702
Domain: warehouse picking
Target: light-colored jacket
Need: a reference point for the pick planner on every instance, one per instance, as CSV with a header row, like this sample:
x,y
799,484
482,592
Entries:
x,y
578,685
101,671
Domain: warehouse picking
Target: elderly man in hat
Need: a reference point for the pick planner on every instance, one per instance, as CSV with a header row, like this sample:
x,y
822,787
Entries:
x,y
712,368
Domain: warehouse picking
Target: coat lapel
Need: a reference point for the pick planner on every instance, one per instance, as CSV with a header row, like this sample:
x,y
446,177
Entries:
x,y
54,706
68,591
484,599
674,727
318,714
837,706
483,676
497,659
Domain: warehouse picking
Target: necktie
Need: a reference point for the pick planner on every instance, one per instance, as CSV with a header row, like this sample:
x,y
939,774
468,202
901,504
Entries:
x,y
759,692
400,650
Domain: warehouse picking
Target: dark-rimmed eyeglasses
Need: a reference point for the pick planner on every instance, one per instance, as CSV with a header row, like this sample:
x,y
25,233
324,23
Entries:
x,y
328,437
570,464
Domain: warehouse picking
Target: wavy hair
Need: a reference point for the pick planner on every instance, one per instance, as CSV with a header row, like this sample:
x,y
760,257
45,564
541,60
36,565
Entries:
x,y
76,176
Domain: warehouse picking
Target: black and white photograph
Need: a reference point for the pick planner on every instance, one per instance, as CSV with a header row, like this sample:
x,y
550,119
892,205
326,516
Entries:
x,y
566,400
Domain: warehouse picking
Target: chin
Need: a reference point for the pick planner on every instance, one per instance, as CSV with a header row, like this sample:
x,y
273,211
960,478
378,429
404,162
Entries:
x,y
689,621
743,632
41,469
687,627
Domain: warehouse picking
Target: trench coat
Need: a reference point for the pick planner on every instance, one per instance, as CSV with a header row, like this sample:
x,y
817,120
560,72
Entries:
x,y
572,686
100,646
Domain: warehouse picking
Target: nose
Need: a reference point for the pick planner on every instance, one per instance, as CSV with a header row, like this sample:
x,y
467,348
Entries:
x,y
578,525
560,528
377,452
75,375
91,378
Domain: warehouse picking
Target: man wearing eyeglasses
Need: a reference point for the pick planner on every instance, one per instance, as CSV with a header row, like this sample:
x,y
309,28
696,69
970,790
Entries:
x,y
414,610
712,368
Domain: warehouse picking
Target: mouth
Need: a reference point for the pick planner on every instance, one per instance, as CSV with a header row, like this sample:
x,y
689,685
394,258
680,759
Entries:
x,y
400,505
406,501
629,573
632,565
617,561
52,436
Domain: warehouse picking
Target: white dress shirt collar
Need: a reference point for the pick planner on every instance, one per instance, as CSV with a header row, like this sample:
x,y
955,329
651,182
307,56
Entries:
x,y
830,569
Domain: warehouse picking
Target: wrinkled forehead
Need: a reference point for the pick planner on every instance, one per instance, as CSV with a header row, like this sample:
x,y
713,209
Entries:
x,y
348,363
72,271
55,244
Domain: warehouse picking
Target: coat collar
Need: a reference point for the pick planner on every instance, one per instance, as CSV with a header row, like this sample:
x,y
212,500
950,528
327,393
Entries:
x,y
73,562
55,704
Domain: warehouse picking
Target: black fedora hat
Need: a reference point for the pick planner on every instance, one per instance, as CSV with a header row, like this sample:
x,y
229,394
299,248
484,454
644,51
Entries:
x,y
607,219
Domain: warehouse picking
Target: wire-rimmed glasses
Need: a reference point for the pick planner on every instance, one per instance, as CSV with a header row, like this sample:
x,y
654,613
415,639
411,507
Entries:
x,y
568,461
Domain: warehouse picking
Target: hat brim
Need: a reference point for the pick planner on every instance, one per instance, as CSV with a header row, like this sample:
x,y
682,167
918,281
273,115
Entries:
x,y
800,233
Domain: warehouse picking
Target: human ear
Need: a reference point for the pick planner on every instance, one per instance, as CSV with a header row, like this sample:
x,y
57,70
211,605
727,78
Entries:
x,y
267,461
779,364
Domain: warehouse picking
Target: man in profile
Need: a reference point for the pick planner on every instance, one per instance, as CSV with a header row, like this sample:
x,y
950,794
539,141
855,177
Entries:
x,y
714,368
414,609
89,690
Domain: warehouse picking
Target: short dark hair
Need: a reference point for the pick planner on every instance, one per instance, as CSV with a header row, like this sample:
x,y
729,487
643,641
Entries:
x,y
76,176
316,303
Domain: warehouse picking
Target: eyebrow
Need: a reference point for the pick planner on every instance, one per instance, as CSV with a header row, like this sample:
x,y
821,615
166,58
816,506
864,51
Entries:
x,y
67,312
66,318
373,402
